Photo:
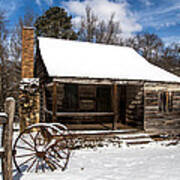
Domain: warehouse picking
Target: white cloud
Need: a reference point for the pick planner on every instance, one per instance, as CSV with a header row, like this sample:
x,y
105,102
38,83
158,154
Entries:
x,y
104,9
171,39
8,7
146,2
49,2
38,2
169,9
162,16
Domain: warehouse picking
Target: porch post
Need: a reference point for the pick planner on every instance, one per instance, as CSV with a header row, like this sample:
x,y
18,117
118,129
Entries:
x,y
115,105
44,103
54,103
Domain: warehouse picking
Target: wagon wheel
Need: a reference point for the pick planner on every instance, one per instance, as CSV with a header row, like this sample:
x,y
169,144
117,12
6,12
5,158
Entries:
x,y
37,150
66,141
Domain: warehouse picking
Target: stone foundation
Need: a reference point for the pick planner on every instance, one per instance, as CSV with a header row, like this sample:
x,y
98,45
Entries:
x,y
29,102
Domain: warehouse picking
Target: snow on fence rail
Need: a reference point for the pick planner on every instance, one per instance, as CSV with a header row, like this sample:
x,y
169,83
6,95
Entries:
x,y
6,119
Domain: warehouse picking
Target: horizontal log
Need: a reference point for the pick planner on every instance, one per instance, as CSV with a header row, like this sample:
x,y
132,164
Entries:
x,y
135,123
96,81
91,120
176,93
130,112
89,126
176,98
105,126
83,81
80,114
152,107
162,127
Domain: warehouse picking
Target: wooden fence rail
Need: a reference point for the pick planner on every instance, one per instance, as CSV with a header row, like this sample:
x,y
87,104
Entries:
x,y
6,119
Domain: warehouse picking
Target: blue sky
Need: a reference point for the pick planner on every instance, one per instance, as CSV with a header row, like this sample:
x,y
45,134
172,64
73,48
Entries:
x,y
161,17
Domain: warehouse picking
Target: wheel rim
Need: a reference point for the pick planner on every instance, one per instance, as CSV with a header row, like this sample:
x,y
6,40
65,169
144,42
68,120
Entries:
x,y
35,149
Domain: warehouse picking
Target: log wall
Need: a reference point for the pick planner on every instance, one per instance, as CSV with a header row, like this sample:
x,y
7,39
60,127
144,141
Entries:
x,y
154,117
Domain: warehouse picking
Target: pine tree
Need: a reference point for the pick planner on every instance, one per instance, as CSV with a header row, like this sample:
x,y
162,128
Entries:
x,y
55,23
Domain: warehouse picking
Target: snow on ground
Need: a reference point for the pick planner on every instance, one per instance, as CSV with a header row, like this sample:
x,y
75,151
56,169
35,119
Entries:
x,y
153,161
132,163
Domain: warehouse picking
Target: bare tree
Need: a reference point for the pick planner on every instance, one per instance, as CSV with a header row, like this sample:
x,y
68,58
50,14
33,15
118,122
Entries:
x,y
94,30
3,59
10,61
171,58
150,46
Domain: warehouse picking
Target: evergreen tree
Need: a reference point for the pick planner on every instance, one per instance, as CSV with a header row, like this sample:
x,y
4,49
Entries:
x,y
55,23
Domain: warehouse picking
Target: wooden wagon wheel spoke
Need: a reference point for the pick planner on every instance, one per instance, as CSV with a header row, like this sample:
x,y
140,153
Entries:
x,y
37,166
26,148
47,133
42,166
54,161
28,160
57,153
63,151
27,142
46,145
33,138
24,155
55,157
30,167
51,165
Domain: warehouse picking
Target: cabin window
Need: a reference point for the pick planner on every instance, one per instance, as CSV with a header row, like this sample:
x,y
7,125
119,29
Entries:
x,y
165,101
71,97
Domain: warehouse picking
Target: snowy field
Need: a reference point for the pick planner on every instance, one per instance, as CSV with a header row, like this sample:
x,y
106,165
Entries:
x,y
154,161
149,162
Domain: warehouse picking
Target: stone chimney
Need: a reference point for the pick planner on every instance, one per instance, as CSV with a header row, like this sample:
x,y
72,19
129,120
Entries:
x,y
27,64
29,97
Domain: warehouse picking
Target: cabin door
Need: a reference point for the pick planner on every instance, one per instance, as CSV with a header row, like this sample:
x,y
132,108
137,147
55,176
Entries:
x,y
103,99
71,98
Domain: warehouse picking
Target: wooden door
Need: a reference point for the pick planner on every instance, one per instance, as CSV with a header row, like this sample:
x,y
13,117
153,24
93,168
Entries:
x,y
103,99
71,98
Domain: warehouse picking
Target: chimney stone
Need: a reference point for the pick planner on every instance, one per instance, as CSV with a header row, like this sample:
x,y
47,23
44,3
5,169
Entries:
x,y
27,63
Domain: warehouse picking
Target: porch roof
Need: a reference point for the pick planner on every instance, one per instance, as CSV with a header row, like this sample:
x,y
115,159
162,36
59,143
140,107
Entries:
x,y
64,58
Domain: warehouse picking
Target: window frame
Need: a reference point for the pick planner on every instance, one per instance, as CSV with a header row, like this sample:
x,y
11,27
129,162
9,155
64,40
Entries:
x,y
165,101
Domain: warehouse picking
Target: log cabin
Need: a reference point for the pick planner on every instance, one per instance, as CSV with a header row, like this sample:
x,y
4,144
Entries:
x,y
94,86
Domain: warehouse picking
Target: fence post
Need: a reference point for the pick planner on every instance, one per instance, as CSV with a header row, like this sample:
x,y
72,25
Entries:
x,y
7,139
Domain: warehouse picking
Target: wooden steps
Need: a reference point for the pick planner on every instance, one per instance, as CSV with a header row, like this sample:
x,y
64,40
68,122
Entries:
x,y
97,126
128,137
137,138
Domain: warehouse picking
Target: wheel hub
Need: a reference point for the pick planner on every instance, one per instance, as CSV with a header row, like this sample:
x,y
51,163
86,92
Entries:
x,y
40,154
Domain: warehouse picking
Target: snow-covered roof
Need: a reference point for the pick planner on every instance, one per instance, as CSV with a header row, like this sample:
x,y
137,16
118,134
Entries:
x,y
64,58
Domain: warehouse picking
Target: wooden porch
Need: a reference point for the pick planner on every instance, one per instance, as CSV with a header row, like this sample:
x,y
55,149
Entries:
x,y
92,119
